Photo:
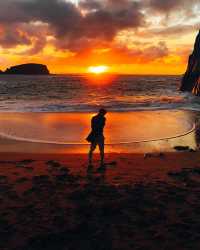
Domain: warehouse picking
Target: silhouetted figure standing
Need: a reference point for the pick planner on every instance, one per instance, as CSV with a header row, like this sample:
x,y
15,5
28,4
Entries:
x,y
96,136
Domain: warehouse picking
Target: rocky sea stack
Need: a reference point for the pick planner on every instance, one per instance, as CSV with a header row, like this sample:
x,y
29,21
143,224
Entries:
x,y
28,69
191,78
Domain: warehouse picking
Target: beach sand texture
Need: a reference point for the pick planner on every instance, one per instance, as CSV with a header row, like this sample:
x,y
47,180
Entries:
x,y
51,202
147,198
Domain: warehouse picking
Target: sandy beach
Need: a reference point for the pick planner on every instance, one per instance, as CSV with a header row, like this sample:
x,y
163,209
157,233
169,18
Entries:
x,y
147,197
49,201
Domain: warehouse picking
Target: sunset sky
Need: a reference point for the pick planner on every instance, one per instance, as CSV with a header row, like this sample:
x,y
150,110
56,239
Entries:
x,y
127,36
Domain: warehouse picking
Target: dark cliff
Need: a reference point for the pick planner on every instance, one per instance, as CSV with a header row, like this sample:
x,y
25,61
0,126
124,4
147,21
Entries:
x,y
191,78
28,69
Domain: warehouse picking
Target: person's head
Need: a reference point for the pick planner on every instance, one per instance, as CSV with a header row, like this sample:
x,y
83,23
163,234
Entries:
x,y
102,112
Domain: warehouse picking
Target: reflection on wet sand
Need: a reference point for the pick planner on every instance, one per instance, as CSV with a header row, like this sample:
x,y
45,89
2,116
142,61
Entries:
x,y
66,132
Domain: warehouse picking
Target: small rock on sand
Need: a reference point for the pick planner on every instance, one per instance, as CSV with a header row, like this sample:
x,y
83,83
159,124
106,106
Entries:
x,y
22,180
3,179
182,148
54,164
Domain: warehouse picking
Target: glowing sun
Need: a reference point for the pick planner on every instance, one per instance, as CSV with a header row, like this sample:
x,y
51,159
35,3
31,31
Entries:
x,y
98,69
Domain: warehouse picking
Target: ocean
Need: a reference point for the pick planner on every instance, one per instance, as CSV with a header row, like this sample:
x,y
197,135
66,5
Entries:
x,y
81,93
145,112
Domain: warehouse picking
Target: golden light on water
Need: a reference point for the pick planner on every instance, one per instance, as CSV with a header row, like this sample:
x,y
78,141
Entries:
x,y
98,69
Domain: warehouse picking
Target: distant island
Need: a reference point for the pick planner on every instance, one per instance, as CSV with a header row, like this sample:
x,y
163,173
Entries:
x,y
27,69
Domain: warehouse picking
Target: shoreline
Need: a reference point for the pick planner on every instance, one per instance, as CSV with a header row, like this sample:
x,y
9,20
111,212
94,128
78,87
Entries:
x,y
18,139
125,132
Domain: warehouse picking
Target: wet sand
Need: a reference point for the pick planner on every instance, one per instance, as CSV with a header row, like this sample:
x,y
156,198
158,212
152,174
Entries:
x,y
72,128
125,132
49,201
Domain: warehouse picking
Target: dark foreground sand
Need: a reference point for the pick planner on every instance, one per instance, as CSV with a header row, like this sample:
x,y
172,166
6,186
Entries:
x,y
51,202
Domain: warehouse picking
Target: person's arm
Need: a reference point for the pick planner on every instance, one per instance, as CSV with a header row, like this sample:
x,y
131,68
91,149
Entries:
x,y
104,122
92,123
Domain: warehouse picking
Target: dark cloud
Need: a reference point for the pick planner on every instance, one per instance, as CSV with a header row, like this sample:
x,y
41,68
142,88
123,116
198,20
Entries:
x,y
172,6
107,20
165,6
93,23
90,5
38,34
12,13
146,54
32,34
12,36
62,16
101,21
176,30
155,52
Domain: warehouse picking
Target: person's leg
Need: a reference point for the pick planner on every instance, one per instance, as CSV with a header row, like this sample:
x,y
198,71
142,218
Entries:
x,y
92,148
101,149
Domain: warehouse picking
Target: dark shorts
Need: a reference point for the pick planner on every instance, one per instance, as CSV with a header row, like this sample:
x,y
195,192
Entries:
x,y
98,141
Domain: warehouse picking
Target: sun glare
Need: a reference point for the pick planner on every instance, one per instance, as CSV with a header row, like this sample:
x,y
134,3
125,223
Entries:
x,y
98,69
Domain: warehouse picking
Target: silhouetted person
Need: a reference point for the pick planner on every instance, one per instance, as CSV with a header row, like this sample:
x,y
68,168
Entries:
x,y
96,136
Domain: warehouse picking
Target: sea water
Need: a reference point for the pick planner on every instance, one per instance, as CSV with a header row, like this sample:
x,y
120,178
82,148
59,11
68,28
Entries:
x,y
79,93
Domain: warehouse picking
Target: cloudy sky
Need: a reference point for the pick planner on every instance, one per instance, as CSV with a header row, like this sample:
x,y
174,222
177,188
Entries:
x,y
129,36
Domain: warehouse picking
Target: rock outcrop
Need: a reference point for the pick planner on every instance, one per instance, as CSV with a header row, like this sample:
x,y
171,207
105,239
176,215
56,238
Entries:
x,y
191,78
28,69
